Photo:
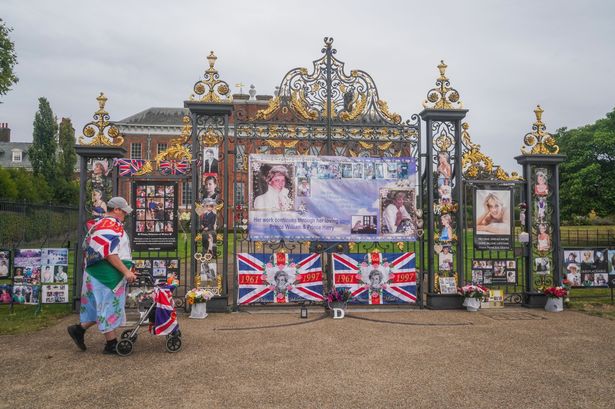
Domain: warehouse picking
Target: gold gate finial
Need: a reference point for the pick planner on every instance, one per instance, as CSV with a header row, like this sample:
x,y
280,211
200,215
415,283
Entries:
x,y
443,96
211,88
101,131
539,140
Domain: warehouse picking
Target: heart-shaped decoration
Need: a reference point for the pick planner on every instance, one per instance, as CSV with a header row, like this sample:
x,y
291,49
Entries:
x,y
437,248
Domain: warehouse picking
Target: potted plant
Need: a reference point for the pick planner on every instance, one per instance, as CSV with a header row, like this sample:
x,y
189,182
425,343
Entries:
x,y
338,298
197,299
555,298
473,294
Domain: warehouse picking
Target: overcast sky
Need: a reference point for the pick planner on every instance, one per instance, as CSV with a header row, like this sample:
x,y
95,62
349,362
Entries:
x,y
504,57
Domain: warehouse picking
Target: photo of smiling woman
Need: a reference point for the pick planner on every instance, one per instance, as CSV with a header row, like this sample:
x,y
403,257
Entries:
x,y
493,219
278,189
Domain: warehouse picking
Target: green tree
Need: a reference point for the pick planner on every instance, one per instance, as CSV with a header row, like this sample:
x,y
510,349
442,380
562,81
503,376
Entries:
x,y
67,158
30,188
587,177
8,59
44,145
8,188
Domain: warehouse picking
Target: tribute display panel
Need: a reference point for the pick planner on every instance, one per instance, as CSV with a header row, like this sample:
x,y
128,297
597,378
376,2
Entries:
x,y
331,198
155,215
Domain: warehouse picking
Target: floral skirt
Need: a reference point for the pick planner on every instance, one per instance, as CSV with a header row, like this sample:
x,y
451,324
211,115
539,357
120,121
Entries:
x,y
101,305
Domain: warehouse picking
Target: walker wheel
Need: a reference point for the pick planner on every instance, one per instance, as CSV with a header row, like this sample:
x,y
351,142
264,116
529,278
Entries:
x,y
126,335
174,344
179,302
124,347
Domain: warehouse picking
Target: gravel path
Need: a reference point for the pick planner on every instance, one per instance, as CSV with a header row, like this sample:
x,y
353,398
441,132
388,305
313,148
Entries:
x,y
510,358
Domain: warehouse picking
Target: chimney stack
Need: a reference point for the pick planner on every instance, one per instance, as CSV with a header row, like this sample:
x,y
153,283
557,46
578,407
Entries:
x,y
5,132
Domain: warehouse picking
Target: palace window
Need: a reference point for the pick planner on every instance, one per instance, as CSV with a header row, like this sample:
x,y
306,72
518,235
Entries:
x,y
17,157
162,147
186,193
135,151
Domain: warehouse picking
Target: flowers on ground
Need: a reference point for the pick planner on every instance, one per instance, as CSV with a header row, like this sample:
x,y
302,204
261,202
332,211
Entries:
x,y
555,292
473,291
339,295
198,295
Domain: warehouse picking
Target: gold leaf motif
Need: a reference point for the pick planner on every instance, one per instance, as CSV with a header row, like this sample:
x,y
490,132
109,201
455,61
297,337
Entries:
x,y
300,105
384,109
272,107
147,168
357,109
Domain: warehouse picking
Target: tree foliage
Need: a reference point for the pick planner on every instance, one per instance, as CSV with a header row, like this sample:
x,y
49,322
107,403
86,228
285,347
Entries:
x,y
587,177
8,59
44,145
67,157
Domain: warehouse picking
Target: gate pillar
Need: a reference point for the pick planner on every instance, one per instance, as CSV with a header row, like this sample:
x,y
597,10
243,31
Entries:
x,y
210,111
443,114
98,147
540,163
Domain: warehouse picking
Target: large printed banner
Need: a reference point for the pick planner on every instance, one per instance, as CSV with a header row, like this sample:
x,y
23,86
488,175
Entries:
x,y
377,278
279,278
330,198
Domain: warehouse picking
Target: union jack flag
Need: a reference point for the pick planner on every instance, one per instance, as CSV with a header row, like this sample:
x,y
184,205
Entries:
x,y
128,167
279,278
165,321
376,278
103,239
173,167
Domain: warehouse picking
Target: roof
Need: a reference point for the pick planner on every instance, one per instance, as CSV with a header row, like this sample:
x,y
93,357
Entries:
x,y
156,116
6,154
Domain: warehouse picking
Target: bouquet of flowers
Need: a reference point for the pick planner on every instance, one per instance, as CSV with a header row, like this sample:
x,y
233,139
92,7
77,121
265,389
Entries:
x,y
473,291
198,295
555,292
339,295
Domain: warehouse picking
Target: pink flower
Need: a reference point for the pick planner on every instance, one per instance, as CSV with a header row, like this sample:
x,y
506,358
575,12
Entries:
x,y
269,265
112,318
120,291
386,264
89,286
84,300
292,265
364,264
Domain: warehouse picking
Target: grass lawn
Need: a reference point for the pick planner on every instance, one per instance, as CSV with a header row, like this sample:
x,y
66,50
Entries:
x,y
24,319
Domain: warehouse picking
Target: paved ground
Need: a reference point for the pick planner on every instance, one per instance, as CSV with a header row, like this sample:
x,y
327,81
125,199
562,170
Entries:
x,y
512,358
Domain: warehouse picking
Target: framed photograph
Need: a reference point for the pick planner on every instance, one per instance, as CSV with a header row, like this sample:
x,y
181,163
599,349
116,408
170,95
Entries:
x,y
272,186
6,293
397,210
493,219
27,258
26,294
5,263
55,294
57,256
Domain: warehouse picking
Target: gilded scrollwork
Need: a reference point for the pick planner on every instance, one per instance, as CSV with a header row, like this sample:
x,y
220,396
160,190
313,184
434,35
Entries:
x,y
539,140
101,131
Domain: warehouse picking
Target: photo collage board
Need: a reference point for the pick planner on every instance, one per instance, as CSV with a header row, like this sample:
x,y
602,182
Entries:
x,y
155,215
589,267
494,272
159,268
38,276
541,223
444,223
